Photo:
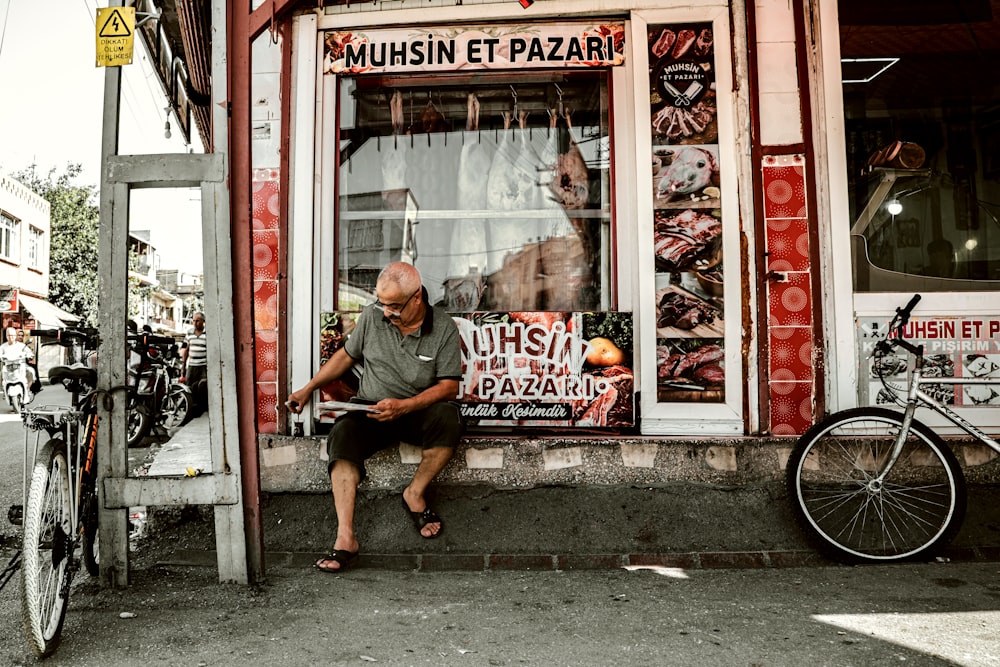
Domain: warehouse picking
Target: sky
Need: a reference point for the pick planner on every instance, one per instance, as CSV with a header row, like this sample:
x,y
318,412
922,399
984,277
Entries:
x,y
53,112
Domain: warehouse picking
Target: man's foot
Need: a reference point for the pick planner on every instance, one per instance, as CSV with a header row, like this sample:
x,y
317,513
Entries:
x,y
336,561
426,521
340,557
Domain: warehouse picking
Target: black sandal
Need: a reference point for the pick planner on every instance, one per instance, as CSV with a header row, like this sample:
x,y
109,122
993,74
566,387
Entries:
x,y
342,556
421,519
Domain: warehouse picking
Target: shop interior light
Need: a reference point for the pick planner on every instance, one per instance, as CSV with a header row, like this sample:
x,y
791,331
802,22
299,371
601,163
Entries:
x,y
971,244
894,207
864,70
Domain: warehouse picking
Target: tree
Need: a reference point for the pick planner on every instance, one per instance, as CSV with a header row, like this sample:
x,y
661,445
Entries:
x,y
73,247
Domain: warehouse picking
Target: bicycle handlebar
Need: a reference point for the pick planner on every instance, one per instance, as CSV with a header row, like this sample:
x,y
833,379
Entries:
x,y
67,337
904,313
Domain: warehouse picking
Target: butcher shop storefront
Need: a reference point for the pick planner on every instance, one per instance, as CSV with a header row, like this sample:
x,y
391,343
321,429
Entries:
x,y
567,190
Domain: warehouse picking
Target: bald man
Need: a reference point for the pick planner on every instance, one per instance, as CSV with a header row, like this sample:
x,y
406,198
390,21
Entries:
x,y
412,367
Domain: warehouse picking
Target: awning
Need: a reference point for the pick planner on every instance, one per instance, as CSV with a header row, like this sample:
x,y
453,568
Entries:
x,y
47,314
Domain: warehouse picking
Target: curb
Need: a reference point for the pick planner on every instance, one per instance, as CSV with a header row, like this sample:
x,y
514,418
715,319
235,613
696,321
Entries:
x,y
564,562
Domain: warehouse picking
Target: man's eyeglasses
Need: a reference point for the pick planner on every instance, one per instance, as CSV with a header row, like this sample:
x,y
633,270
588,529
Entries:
x,y
391,310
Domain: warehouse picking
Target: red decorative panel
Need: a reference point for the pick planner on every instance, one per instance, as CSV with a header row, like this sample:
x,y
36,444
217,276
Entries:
x,y
265,304
791,407
791,353
266,352
787,244
784,187
789,303
265,255
267,402
790,365
265,204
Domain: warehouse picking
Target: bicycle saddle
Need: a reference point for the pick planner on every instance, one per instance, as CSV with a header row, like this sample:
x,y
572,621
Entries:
x,y
83,374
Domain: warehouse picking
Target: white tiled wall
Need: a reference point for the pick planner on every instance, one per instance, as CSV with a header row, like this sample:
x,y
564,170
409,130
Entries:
x,y
780,113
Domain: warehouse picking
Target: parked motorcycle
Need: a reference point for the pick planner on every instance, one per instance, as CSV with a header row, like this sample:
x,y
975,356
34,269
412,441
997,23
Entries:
x,y
156,397
16,387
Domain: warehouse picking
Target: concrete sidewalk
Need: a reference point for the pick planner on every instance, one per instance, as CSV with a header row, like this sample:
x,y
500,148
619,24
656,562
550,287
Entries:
x,y
584,526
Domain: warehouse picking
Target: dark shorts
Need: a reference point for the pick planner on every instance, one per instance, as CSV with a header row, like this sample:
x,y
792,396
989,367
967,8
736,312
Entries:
x,y
355,436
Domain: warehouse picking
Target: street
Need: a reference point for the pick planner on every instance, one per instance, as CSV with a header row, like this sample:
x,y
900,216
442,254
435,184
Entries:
x,y
927,614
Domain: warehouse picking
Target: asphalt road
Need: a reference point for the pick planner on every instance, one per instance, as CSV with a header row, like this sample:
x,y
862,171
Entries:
x,y
930,614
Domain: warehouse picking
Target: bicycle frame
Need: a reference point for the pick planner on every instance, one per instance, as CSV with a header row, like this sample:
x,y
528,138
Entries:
x,y
915,397
66,422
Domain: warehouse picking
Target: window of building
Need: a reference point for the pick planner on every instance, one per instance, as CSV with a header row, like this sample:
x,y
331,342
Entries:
x,y
36,248
9,247
922,107
495,186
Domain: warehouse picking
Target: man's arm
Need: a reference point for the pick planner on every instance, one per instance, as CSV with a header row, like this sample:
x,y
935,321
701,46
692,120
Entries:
x,y
394,408
336,366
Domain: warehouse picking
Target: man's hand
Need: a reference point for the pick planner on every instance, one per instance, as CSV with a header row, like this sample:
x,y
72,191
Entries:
x,y
297,400
389,409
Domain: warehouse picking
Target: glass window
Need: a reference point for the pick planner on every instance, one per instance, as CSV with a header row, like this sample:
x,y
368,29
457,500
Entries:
x,y
36,249
922,107
9,248
495,186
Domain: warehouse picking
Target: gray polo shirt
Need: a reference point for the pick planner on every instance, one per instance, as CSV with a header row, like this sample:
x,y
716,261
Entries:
x,y
397,366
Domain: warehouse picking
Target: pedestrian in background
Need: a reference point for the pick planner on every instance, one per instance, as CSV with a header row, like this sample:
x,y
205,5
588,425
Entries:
x,y
194,363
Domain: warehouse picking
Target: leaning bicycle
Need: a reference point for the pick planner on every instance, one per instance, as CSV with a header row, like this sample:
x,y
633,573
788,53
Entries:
x,y
872,484
60,510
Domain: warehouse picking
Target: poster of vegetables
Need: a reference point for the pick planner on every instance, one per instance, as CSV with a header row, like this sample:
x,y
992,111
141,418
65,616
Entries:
x,y
687,217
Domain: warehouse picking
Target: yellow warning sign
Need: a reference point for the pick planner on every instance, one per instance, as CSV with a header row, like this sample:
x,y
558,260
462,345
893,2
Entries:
x,y
115,35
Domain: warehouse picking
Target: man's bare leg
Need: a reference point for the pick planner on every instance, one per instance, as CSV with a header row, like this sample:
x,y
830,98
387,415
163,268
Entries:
x,y
344,479
432,461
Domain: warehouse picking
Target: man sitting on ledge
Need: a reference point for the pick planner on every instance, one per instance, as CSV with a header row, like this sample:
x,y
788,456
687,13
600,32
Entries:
x,y
412,365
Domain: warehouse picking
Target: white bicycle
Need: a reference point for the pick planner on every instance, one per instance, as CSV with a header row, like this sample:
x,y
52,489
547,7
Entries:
x,y
872,484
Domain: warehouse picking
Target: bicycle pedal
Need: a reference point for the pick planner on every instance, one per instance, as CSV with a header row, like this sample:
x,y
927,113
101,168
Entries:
x,y
15,514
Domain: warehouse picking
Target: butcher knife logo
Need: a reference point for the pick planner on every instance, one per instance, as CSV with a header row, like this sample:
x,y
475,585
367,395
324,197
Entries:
x,y
681,84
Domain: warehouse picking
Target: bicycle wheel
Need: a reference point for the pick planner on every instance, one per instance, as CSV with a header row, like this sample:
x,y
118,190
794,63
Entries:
x,y
48,544
854,515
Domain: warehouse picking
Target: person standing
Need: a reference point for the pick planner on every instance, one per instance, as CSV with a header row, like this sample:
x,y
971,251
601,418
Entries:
x,y
194,362
412,366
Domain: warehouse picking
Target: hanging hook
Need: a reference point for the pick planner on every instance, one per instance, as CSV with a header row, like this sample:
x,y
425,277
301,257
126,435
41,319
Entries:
x,y
514,94
273,27
560,93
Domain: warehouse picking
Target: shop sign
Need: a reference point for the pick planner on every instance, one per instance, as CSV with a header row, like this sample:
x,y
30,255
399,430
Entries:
x,y
8,300
954,347
528,368
474,47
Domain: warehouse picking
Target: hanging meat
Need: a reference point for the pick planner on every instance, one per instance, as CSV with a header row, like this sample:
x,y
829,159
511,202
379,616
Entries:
x,y
467,261
571,183
393,152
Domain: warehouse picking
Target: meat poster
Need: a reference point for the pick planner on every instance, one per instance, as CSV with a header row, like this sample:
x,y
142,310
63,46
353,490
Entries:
x,y
544,369
685,187
547,369
954,347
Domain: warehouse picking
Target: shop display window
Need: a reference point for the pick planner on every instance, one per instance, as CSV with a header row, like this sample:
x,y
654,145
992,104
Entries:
x,y
496,186
922,107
